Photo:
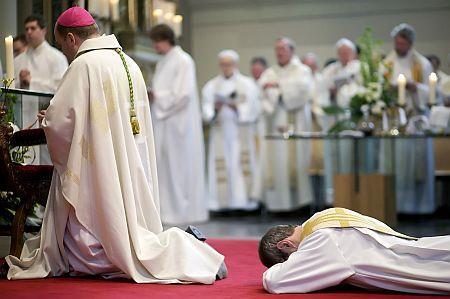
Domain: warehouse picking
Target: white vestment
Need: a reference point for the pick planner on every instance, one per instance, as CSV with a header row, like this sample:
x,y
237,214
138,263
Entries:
x,y
179,139
46,66
414,163
364,258
291,99
320,100
346,78
231,148
102,214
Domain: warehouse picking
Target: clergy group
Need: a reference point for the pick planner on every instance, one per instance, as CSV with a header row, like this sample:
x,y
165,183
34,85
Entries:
x,y
210,146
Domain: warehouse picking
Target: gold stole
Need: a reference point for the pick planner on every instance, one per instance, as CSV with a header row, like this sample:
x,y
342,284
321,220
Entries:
x,y
416,68
343,218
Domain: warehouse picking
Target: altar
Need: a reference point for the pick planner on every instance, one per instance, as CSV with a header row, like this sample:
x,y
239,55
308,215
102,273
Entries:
x,y
365,173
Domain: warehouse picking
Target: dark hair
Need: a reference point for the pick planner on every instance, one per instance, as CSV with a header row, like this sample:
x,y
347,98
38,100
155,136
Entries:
x,y
269,254
40,21
162,32
329,61
260,60
20,37
435,58
82,32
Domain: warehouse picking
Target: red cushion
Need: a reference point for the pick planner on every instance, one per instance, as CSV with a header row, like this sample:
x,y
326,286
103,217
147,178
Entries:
x,y
35,172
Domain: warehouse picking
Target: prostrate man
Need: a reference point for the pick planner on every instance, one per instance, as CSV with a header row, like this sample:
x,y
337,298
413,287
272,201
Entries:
x,y
286,91
231,105
415,162
102,215
343,76
339,246
178,132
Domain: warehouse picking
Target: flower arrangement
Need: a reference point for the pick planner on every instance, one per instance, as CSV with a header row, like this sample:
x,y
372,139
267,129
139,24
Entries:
x,y
375,92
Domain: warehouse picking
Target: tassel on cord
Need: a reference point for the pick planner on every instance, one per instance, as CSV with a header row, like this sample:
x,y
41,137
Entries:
x,y
133,117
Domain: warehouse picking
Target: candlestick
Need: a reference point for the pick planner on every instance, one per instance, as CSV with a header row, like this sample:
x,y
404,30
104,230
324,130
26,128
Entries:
x,y
401,83
433,81
9,58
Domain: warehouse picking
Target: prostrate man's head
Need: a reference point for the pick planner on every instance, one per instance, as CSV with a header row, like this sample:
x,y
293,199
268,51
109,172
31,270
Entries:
x,y
72,28
404,36
35,30
278,244
163,38
311,60
346,51
228,62
258,66
284,50
20,44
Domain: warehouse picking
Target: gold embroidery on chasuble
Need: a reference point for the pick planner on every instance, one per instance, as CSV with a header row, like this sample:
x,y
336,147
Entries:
x,y
86,150
72,176
343,218
100,112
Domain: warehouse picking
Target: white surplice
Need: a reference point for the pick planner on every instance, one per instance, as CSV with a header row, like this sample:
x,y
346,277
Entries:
x,y
231,148
414,164
46,66
179,139
102,215
346,78
289,103
364,258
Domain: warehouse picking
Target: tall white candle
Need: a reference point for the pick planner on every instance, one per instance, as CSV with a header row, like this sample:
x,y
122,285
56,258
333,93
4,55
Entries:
x,y
177,21
433,81
401,83
9,57
114,6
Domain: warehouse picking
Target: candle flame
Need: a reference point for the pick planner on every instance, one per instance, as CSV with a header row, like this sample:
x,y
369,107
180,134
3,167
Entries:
x,y
433,77
157,12
177,19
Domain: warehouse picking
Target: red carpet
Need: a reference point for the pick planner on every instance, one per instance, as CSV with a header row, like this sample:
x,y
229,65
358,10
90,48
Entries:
x,y
244,281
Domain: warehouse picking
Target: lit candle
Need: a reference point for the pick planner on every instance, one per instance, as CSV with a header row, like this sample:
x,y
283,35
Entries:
x,y
158,15
168,18
9,58
114,7
433,80
177,25
401,82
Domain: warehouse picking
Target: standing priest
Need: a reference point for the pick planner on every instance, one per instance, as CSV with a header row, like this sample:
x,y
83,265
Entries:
x,y
178,132
414,163
102,214
286,95
231,105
